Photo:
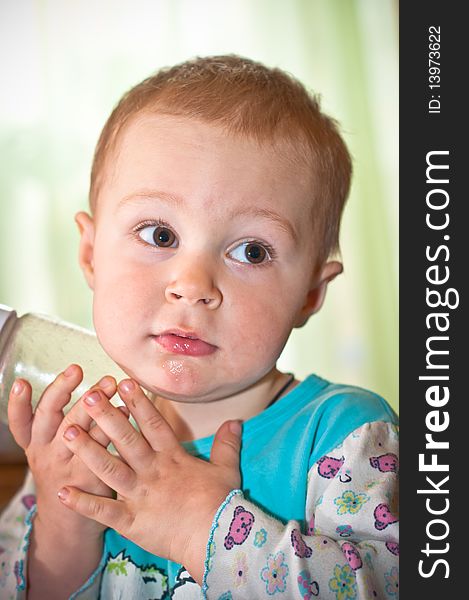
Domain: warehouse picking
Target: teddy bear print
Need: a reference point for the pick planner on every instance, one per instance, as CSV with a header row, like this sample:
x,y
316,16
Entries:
x,y
352,556
393,548
383,516
328,466
385,463
29,500
240,526
299,545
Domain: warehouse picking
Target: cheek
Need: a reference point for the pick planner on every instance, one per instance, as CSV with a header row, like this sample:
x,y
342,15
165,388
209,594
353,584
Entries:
x,y
123,302
264,322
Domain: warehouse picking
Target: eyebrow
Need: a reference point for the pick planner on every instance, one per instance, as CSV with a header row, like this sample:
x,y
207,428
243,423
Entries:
x,y
173,199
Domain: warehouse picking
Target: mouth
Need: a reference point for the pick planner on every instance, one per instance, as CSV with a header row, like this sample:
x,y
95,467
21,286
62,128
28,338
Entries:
x,y
188,343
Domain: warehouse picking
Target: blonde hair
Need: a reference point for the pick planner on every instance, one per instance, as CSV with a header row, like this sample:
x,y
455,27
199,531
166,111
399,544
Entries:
x,y
248,99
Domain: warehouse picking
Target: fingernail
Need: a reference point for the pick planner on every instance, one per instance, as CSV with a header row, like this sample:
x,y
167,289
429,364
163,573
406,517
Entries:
x,y
126,385
106,382
71,433
63,493
92,398
69,371
17,388
235,427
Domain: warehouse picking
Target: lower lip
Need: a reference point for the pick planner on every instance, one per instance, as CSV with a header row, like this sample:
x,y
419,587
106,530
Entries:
x,y
181,345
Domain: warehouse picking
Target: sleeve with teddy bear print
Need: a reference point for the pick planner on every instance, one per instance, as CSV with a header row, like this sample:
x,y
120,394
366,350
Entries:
x,y
350,549
16,523
15,527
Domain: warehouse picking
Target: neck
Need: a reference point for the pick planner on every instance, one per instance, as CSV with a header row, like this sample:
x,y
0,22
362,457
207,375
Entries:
x,y
193,421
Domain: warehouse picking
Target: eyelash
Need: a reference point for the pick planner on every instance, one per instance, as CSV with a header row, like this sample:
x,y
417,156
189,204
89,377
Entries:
x,y
143,224
160,223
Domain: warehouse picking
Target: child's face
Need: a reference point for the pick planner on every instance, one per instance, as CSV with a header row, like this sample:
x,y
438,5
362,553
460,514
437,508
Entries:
x,y
206,234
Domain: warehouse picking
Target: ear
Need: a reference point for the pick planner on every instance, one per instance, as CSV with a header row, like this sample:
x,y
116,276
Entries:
x,y
86,248
317,293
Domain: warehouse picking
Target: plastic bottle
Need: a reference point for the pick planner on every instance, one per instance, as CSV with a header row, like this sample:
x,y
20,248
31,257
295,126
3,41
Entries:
x,y
37,348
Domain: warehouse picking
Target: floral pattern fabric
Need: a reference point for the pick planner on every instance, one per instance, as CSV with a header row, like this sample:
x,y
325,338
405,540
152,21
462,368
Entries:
x,y
346,549
349,548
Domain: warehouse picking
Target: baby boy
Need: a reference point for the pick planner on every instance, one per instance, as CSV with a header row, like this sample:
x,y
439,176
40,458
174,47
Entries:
x,y
216,195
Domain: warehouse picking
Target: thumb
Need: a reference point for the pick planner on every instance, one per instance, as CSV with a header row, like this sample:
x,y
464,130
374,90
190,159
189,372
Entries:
x,y
227,444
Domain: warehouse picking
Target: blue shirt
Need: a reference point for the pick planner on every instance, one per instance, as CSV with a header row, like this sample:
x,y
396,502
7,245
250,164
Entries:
x,y
279,447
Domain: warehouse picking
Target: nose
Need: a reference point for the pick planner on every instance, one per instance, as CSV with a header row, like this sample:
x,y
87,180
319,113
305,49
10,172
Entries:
x,y
193,286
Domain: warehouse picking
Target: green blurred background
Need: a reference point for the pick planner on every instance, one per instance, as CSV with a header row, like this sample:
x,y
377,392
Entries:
x,y
63,66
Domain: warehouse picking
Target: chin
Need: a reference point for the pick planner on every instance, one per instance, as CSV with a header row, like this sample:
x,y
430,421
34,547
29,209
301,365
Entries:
x,y
174,380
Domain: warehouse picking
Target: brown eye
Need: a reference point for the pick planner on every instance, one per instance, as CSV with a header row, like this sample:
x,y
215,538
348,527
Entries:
x,y
157,234
252,253
255,253
163,237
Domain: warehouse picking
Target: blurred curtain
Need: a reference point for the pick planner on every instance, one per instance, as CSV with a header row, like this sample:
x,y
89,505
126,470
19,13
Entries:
x,y
63,66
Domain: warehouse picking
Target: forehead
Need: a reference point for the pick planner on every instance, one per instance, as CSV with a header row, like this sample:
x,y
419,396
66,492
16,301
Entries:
x,y
205,164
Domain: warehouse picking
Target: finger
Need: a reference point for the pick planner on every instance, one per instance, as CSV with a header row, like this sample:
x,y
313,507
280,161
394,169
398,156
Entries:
x,y
20,412
151,423
110,469
227,445
98,434
129,442
106,511
77,414
49,410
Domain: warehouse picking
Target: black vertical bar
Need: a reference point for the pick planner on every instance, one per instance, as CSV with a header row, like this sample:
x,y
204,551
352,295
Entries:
x,y
434,252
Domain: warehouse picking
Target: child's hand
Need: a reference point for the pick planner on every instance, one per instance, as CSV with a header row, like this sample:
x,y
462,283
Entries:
x,y
167,499
51,462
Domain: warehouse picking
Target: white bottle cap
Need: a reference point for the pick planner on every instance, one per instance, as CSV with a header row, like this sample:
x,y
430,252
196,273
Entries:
x,y
6,313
